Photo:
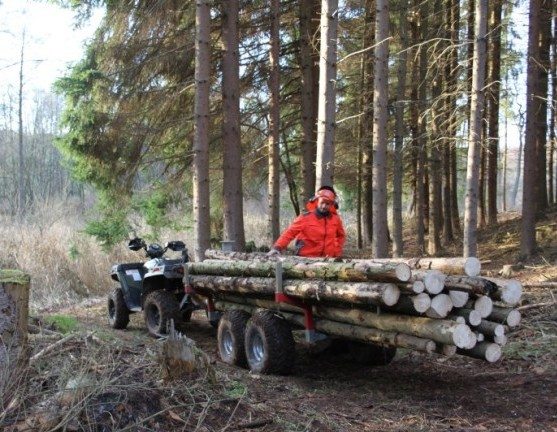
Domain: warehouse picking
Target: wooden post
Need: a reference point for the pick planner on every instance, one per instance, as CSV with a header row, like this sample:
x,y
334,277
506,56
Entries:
x,y
14,313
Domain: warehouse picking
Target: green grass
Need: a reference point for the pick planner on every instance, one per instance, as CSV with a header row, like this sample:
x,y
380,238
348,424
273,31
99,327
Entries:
x,y
62,323
236,389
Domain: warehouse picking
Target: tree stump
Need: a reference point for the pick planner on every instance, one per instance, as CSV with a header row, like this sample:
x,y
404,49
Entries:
x,y
14,313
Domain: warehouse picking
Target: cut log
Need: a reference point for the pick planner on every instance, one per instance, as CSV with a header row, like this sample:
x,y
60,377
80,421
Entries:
x,y
433,280
459,298
440,307
217,254
490,328
451,266
480,337
349,272
507,316
244,285
350,331
14,314
347,292
471,316
310,289
416,304
483,304
442,331
508,291
484,350
472,285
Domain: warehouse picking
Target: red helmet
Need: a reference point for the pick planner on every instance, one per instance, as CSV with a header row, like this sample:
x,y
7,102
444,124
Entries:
x,y
326,194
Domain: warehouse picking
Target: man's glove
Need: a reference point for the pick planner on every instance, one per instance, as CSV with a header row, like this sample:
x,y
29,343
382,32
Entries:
x,y
273,252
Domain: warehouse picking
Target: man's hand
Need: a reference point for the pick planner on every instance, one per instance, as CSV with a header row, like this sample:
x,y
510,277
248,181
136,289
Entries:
x,y
273,252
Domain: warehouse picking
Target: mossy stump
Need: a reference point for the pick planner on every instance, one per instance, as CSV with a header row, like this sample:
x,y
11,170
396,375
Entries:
x,y
14,313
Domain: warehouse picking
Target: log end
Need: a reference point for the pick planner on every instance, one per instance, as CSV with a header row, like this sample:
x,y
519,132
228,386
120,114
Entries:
x,y
391,294
459,298
403,272
472,266
434,281
461,336
421,302
484,305
513,318
440,307
474,318
492,352
511,292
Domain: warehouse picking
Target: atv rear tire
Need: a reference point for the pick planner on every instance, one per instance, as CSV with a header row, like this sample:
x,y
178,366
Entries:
x,y
118,313
371,354
230,337
269,344
158,309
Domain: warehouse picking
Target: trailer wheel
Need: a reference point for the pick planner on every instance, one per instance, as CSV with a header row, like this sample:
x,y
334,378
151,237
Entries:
x,y
269,343
230,337
118,313
159,308
371,354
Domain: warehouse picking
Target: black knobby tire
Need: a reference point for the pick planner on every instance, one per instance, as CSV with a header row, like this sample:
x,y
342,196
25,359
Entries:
x,y
269,344
371,354
158,309
230,337
118,313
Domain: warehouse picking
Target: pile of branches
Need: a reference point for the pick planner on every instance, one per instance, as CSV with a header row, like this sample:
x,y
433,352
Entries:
x,y
426,304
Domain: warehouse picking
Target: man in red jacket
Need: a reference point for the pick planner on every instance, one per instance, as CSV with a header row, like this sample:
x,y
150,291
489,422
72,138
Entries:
x,y
318,231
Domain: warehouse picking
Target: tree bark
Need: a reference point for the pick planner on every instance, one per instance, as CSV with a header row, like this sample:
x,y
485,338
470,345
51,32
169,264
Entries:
x,y
274,116
451,266
232,150
201,190
327,94
474,143
21,166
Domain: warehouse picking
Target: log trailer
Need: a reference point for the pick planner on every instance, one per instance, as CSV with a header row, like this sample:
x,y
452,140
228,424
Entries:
x,y
372,306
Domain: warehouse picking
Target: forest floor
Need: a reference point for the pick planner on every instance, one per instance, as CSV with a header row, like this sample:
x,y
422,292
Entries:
x,y
325,391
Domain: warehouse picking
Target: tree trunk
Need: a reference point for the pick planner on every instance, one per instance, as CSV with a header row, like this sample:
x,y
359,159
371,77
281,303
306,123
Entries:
x,y
327,94
398,169
529,187
232,150
308,58
380,242
201,190
519,167
14,305
474,143
494,79
274,119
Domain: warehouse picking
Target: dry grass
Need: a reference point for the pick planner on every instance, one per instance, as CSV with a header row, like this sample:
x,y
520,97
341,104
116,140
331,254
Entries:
x,y
64,263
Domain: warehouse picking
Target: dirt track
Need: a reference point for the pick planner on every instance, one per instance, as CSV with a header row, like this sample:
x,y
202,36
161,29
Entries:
x,y
327,392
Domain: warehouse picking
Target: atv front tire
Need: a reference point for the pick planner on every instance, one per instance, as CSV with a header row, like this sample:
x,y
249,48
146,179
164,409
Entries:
x,y
158,309
118,313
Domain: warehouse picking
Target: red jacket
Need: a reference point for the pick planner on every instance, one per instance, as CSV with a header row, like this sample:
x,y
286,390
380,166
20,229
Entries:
x,y
316,235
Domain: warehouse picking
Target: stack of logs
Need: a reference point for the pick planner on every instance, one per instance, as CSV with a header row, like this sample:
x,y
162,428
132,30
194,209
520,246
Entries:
x,y
427,304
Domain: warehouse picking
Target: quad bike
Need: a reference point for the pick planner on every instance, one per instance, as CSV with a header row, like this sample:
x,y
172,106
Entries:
x,y
154,287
